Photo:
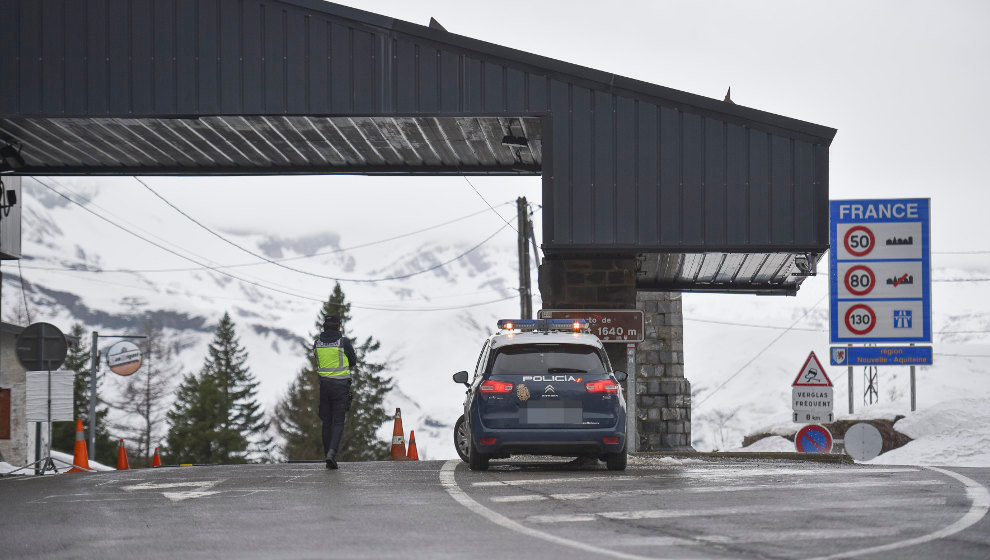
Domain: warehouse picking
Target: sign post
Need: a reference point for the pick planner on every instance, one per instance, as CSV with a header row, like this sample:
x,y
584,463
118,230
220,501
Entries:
x,y
880,282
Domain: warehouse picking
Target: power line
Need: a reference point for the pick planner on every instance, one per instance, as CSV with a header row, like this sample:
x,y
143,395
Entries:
x,y
760,353
257,284
489,204
217,268
774,327
306,272
242,265
963,280
977,252
176,253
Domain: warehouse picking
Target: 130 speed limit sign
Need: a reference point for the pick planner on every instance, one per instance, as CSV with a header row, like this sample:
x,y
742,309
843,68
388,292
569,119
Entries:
x,y
860,319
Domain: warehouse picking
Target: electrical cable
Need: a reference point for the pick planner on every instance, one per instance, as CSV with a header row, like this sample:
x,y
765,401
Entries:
x,y
217,267
489,204
280,265
242,265
765,348
257,284
166,249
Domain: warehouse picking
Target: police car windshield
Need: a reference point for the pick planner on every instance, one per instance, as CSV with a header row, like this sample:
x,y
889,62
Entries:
x,y
547,358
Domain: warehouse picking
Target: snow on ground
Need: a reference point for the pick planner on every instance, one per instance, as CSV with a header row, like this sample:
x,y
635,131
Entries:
x,y
769,444
954,433
62,460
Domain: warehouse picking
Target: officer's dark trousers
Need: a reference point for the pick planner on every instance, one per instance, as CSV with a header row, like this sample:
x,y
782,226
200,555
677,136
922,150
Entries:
x,y
333,406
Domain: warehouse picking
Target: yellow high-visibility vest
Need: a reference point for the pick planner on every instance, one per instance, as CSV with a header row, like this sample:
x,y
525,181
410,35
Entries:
x,y
331,359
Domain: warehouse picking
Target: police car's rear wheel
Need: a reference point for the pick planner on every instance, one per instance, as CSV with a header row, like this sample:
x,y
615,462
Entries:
x,y
616,461
477,460
462,439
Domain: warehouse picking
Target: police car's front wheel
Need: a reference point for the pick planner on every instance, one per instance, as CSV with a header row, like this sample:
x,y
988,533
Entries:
x,y
477,461
616,461
462,439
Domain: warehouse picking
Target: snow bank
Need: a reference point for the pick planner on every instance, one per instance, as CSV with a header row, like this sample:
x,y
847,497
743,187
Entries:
x,y
952,433
62,460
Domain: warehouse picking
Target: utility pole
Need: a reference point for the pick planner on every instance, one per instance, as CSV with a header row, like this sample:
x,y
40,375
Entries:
x,y
94,357
525,300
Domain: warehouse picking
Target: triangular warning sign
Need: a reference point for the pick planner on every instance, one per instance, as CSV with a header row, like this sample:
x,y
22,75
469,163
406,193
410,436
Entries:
x,y
812,374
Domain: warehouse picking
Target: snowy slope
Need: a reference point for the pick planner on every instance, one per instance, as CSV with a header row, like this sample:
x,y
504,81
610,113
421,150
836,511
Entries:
x,y
429,324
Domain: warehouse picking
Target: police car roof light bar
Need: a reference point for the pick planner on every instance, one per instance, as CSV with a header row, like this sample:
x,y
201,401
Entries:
x,y
575,325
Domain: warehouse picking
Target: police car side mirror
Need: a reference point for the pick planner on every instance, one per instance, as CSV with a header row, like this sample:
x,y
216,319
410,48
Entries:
x,y
461,377
620,375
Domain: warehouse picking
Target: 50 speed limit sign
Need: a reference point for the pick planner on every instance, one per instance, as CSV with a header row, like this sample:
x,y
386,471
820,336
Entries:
x,y
859,241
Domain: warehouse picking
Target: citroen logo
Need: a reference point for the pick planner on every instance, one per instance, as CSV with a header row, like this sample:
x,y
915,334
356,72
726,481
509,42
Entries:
x,y
549,390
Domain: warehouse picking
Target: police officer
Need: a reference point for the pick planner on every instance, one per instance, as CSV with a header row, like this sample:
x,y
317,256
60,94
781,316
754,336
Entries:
x,y
335,357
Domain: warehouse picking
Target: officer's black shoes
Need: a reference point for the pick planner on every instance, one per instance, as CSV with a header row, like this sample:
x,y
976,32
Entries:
x,y
331,459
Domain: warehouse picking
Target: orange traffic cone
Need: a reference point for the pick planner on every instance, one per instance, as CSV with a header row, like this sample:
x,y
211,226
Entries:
x,y
398,443
413,453
122,464
80,456
156,461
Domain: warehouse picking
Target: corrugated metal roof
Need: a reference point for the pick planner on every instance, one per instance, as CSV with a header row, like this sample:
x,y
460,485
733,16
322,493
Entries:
x,y
720,272
278,144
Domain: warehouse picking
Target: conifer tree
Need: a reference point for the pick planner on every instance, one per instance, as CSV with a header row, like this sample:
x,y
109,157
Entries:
x,y
297,417
216,417
64,433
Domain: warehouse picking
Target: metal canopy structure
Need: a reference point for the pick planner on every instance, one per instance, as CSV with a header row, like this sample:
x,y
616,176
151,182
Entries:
x,y
708,195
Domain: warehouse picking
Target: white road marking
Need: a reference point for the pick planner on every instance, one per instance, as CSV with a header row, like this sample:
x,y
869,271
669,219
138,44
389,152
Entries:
x,y
775,536
450,485
738,510
179,496
976,492
697,490
166,485
695,473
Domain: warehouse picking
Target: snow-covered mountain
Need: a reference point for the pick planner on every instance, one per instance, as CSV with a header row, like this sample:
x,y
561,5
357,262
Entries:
x,y
430,324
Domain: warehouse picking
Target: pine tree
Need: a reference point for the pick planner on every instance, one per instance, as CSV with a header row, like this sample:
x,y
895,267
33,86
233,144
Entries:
x,y
64,433
145,394
297,413
216,417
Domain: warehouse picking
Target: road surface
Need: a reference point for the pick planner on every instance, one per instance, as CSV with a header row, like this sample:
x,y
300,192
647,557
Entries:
x,y
658,508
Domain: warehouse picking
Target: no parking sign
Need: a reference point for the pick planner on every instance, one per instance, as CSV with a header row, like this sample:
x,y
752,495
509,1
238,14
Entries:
x,y
813,439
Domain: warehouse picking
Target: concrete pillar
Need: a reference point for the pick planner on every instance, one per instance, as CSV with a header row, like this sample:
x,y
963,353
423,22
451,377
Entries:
x,y
664,395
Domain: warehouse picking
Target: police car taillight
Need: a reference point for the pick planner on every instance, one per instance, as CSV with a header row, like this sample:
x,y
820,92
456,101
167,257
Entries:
x,y
603,386
492,386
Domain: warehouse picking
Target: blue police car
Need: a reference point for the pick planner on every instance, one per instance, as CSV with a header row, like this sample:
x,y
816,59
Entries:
x,y
542,387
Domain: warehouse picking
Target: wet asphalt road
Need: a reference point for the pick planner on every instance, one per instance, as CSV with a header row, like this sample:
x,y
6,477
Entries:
x,y
658,508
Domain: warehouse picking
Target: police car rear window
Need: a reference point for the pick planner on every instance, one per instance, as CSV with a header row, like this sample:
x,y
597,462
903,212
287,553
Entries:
x,y
547,358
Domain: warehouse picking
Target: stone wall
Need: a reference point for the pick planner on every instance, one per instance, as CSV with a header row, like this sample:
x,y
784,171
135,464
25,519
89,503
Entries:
x,y
663,405
664,395
19,449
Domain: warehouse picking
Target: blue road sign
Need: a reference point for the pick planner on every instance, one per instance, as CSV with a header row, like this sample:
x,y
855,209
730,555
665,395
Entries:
x,y
880,271
813,439
882,356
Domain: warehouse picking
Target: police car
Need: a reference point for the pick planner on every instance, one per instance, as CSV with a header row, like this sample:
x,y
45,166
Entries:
x,y
542,387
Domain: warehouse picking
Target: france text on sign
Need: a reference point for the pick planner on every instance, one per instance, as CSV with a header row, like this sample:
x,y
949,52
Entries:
x,y
880,271
812,374
617,325
882,356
